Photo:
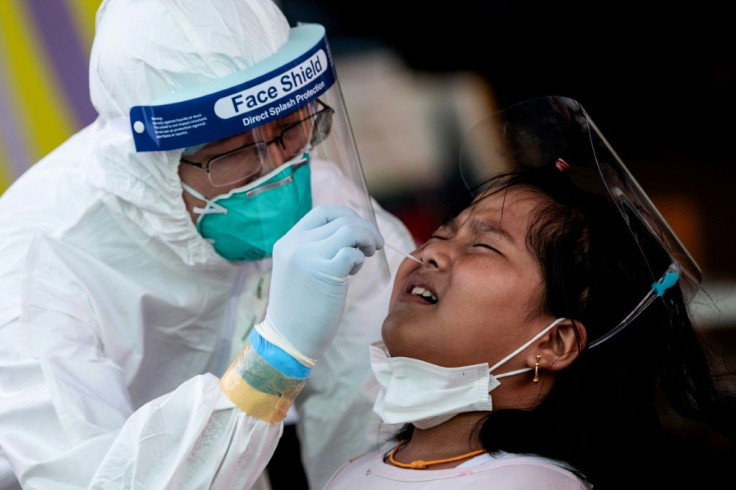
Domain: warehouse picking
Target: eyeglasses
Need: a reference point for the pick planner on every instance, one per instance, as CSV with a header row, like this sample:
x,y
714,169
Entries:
x,y
246,162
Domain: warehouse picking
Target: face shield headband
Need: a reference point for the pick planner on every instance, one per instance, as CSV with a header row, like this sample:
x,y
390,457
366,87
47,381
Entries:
x,y
298,73
557,132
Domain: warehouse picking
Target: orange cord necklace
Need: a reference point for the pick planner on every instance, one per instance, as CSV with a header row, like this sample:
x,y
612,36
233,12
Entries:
x,y
421,464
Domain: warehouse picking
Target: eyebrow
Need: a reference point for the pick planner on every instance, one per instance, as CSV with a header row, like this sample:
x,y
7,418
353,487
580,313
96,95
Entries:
x,y
479,226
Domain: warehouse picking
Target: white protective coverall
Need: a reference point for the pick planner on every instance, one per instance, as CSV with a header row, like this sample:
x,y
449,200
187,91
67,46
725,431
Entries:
x,y
113,308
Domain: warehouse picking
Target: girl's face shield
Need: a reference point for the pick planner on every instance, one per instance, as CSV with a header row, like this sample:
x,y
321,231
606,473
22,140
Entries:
x,y
556,131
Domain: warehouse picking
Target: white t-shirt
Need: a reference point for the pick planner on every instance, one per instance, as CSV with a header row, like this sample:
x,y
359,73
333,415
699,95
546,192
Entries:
x,y
499,472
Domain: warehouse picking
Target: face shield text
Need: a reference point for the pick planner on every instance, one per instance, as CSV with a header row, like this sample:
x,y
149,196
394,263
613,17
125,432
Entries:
x,y
270,91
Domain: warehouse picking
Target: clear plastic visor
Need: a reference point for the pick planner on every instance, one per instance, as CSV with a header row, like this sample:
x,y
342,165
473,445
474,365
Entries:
x,y
319,128
235,129
241,159
554,131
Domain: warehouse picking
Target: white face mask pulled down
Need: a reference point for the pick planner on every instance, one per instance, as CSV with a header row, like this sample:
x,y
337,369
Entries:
x,y
426,395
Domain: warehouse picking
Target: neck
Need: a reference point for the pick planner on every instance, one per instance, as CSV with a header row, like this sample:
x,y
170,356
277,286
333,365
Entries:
x,y
453,438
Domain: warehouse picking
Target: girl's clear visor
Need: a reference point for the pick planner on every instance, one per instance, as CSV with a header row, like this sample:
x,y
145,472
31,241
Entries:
x,y
553,131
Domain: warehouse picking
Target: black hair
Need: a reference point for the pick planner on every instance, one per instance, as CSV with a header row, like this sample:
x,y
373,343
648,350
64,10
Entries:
x,y
642,408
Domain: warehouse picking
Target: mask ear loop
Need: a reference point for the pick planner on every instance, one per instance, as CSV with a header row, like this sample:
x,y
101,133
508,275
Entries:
x,y
530,342
668,279
211,207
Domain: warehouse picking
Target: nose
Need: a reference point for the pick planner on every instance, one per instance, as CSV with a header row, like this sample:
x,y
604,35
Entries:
x,y
436,253
276,156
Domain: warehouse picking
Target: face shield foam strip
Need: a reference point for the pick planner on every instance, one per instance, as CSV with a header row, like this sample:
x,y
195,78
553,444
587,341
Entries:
x,y
295,75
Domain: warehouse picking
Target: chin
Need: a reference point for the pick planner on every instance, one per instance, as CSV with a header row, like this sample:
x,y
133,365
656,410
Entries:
x,y
401,340
391,334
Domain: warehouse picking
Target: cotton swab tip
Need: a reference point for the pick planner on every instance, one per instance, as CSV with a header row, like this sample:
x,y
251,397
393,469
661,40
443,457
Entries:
x,y
407,255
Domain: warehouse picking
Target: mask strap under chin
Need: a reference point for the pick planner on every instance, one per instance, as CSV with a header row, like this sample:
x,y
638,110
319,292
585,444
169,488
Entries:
x,y
210,207
668,279
530,342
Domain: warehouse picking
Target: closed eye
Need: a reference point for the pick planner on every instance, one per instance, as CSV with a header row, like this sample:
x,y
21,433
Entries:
x,y
485,245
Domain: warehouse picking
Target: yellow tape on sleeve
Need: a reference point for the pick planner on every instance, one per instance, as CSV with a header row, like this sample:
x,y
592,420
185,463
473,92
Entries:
x,y
258,389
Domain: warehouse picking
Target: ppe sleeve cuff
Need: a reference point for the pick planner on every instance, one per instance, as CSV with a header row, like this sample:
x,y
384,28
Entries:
x,y
277,357
269,332
257,388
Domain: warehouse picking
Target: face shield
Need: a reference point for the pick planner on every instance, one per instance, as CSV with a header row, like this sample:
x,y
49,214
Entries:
x,y
284,109
557,132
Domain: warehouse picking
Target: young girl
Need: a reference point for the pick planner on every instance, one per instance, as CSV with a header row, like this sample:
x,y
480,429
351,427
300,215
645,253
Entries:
x,y
544,341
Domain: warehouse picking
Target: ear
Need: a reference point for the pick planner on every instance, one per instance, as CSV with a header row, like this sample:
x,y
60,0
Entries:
x,y
560,346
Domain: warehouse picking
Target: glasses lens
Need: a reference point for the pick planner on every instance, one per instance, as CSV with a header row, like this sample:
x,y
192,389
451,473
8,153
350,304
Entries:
x,y
238,166
313,130
295,137
322,125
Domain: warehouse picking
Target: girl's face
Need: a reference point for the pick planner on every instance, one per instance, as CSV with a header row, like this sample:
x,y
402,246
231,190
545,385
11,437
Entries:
x,y
485,286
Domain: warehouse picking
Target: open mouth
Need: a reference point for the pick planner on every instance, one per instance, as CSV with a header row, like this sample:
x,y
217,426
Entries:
x,y
425,294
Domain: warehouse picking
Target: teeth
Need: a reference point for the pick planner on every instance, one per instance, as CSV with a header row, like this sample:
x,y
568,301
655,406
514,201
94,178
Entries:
x,y
419,291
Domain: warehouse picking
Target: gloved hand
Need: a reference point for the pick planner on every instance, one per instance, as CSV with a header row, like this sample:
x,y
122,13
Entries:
x,y
309,281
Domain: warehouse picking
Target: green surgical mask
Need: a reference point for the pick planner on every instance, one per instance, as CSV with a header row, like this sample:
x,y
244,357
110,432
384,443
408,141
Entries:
x,y
245,223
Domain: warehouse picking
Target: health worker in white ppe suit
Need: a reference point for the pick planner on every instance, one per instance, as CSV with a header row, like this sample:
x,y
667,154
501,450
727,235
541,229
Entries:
x,y
148,339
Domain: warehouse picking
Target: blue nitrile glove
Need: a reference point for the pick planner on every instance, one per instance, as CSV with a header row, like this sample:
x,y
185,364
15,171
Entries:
x,y
309,282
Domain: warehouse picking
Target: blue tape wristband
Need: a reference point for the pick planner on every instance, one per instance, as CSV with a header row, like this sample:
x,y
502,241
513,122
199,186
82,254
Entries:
x,y
278,358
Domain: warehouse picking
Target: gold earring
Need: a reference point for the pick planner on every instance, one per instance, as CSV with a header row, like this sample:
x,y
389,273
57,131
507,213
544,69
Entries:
x,y
536,369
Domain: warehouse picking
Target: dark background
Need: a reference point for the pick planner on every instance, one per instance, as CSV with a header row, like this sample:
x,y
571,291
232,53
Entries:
x,y
658,80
